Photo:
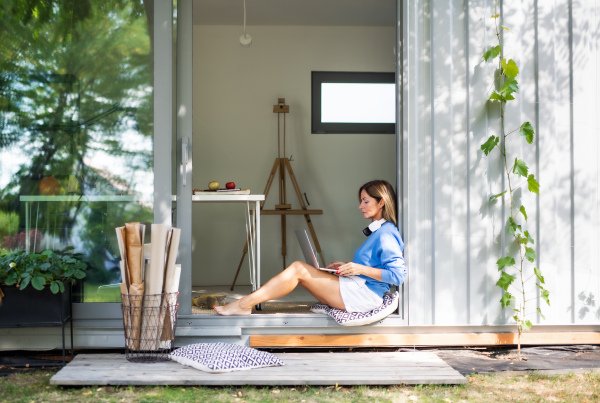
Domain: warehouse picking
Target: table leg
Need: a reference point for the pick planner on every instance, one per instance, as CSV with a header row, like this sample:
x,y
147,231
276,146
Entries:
x,y
251,246
27,226
257,234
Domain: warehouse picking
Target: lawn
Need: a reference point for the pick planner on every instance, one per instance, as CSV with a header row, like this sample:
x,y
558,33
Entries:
x,y
33,385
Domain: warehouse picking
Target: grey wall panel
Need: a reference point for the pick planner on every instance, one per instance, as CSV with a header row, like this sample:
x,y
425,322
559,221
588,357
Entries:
x,y
454,235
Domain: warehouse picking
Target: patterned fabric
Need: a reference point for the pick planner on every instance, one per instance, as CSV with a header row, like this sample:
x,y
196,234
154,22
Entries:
x,y
223,357
345,318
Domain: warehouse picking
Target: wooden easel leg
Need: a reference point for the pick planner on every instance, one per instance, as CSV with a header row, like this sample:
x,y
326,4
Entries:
x,y
313,233
240,265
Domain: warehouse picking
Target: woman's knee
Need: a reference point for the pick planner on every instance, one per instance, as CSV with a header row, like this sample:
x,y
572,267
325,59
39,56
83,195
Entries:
x,y
299,269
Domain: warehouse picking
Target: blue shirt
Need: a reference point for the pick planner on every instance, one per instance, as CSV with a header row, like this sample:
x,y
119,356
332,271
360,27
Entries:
x,y
383,250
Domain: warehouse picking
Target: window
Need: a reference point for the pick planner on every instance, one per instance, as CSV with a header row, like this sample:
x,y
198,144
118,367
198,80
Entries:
x,y
353,102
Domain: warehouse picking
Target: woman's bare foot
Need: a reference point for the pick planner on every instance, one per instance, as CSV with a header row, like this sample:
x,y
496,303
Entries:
x,y
233,308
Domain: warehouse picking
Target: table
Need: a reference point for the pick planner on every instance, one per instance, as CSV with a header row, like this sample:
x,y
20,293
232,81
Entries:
x,y
252,227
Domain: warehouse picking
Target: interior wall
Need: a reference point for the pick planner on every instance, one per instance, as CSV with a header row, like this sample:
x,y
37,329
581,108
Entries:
x,y
235,139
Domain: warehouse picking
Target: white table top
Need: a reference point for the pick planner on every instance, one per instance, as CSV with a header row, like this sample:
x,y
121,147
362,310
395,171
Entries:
x,y
217,197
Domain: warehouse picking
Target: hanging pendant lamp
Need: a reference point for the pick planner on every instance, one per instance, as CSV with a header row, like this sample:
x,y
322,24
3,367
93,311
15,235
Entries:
x,y
245,39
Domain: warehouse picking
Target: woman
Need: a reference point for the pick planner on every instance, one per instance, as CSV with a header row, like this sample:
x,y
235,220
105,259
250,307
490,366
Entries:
x,y
359,285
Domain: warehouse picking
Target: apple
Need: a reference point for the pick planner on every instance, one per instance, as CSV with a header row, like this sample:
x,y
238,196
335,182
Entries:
x,y
230,185
214,185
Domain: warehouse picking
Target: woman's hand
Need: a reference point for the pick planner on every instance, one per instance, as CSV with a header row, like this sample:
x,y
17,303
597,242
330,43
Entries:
x,y
354,269
350,269
335,265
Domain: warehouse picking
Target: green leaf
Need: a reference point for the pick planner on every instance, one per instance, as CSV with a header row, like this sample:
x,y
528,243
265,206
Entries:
x,y
505,280
492,52
526,325
510,68
54,287
489,145
47,252
495,16
503,27
10,280
496,196
522,240
25,282
545,295
522,211
79,274
520,168
506,261
38,282
529,254
529,238
526,130
496,96
533,185
540,312
512,226
506,299
509,86
538,274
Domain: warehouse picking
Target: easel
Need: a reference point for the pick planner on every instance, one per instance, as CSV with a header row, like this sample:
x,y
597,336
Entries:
x,y
284,209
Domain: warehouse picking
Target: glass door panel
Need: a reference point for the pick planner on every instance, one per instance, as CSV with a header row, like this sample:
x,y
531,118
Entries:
x,y
76,129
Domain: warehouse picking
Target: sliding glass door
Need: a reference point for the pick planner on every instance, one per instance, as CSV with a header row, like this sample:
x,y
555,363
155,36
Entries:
x,y
76,129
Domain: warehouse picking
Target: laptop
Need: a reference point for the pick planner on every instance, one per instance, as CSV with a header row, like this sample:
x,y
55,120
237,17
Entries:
x,y
307,250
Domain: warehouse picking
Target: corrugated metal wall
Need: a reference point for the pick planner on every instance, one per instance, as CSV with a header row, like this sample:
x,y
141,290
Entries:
x,y
454,235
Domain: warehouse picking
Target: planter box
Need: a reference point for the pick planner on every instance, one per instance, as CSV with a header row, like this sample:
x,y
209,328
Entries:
x,y
33,308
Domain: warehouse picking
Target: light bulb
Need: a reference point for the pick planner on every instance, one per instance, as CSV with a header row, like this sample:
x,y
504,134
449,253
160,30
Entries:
x,y
245,40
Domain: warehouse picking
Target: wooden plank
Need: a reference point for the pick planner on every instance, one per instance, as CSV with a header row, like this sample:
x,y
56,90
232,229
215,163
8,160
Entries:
x,y
410,340
291,212
299,368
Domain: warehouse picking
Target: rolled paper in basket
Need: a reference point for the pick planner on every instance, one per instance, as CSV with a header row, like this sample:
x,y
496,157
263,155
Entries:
x,y
155,273
171,289
134,252
171,283
136,295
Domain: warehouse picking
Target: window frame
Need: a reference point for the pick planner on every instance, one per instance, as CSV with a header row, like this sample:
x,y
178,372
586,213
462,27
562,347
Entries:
x,y
320,77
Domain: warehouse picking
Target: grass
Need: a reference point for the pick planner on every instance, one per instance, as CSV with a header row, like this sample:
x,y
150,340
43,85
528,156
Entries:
x,y
33,385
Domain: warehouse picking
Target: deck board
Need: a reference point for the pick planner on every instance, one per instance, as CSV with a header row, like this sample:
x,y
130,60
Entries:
x,y
386,368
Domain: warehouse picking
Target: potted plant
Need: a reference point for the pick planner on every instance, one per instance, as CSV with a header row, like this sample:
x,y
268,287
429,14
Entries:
x,y
35,288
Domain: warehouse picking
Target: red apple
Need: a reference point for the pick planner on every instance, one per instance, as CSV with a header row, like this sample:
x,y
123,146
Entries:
x,y
230,185
214,185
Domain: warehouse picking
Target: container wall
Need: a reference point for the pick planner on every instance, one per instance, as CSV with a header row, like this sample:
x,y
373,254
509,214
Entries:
x,y
454,235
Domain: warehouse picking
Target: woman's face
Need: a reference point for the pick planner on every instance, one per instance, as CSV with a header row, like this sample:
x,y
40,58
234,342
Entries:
x,y
370,207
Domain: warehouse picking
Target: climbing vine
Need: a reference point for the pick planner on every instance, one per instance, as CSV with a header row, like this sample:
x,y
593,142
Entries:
x,y
515,274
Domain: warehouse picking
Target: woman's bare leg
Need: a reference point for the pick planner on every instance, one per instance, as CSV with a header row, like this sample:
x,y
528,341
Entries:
x,y
322,285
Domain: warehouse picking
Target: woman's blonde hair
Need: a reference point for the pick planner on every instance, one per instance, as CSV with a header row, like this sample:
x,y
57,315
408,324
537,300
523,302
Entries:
x,y
382,190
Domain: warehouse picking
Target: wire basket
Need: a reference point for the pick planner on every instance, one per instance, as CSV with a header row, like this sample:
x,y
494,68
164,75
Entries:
x,y
149,322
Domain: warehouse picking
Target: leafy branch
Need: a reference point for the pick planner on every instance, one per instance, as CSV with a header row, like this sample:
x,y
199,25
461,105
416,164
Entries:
x,y
513,273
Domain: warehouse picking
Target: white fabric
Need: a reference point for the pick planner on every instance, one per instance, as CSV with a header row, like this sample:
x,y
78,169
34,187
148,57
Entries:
x,y
357,296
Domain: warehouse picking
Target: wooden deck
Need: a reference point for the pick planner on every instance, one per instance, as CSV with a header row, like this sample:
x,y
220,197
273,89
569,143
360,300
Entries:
x,y
411,368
